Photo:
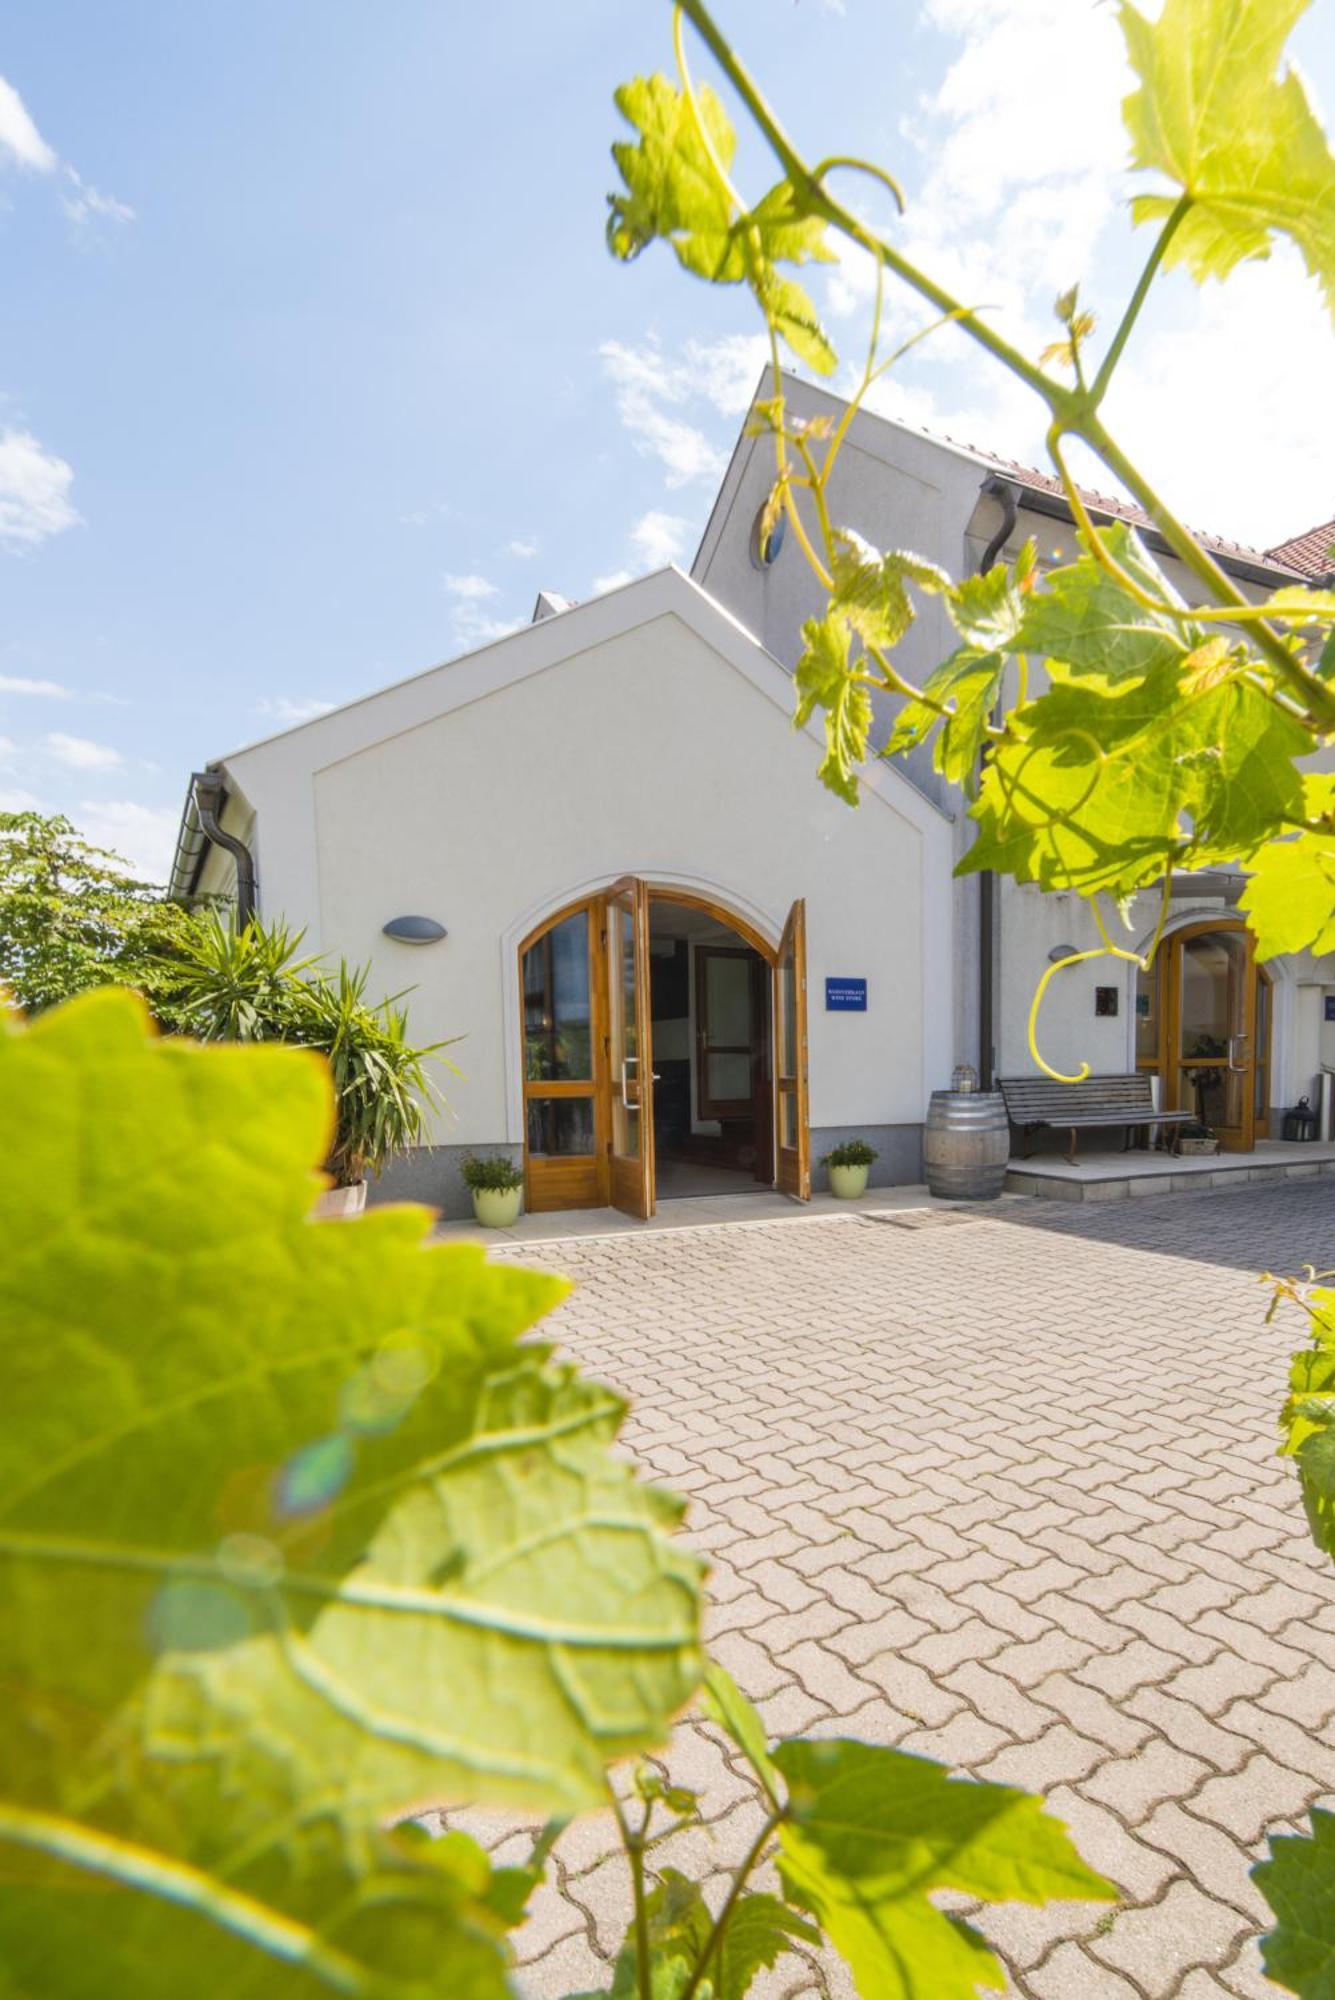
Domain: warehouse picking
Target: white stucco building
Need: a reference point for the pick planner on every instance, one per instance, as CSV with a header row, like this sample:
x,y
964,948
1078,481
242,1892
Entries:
x,y
679,964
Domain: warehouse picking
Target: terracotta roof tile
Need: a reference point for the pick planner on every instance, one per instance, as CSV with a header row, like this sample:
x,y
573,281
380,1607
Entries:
x,y
1312,554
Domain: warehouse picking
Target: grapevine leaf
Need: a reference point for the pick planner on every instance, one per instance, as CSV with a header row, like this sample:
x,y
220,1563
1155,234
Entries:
x,y
672,188
1309,1415
1241,141
1298,1882
871,588
679,1925
298,1534
988,609
871,1831
1297,604
379,1927
1083,618
675,191
795,319
725,1704
966,685
758,1932
826,678
1098,785
1289,900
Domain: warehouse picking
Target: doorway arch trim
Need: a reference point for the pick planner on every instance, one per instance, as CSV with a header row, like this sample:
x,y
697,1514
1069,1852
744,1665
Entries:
x,y
751,922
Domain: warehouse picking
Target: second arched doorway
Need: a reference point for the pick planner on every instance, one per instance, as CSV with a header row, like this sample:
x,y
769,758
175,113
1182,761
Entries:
x,y
1204,1017
664,1051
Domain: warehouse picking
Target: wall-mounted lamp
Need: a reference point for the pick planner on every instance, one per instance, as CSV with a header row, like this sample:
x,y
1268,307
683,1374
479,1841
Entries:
x,y
1061,951
414,930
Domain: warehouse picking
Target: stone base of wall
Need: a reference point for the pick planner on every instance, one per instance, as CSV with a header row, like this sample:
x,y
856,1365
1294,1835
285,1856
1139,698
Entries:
x,y
433,1173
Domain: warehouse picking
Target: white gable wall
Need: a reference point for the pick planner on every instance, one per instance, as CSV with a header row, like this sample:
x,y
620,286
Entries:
x,y
488,793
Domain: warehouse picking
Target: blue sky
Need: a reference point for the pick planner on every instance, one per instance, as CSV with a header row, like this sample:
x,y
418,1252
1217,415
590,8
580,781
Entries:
x,y
315,367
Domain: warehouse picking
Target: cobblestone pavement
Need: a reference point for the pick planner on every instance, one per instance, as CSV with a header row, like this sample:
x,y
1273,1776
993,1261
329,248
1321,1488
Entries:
x,y
1001,1488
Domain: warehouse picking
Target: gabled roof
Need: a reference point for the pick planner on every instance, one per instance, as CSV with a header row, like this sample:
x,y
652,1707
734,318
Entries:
x,y
1281,563
1312,554
405,705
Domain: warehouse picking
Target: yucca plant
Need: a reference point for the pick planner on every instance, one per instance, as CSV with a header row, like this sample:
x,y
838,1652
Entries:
x,y
248,984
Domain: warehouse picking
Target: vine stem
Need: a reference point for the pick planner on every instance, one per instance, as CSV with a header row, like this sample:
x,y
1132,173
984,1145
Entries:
x,y
634,1846
1137,299
715,1939
1073,410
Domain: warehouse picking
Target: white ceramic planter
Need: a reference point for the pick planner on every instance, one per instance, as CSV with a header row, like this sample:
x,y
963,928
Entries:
x,y
336,1204
848,1182
497,1208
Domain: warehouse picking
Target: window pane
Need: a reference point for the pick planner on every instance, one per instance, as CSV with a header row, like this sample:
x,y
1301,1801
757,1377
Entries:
x,y
728,1000
788,1018
729,1078
560,1125
625,1053
1214,969
557,1038
1147,1014
788,1120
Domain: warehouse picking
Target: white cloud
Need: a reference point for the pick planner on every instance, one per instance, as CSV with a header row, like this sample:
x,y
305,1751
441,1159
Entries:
x,y
86,205
13,799
19,137
80,753
612,581
7,746
20,141
659,539
1019,190
34,490
282,708
470,587
523,549
20,684
651,388
144,835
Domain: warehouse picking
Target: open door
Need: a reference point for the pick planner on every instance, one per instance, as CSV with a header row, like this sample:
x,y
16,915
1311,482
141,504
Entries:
x,y
630,1063
1210,970
791,1123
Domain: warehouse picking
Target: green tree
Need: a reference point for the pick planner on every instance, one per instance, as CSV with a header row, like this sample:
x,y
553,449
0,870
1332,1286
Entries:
x,y
73,916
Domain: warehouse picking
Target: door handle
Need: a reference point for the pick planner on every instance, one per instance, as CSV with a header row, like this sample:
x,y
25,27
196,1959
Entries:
x,y
1236,1068
626,1062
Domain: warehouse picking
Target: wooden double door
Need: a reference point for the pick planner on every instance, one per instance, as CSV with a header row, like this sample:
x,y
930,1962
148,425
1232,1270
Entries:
x,y
1203,1023
588,1051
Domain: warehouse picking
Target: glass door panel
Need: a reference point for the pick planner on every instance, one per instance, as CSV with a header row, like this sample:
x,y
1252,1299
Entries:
x,y
790,1058
725,1032
1212,1047
563,1161
630,1054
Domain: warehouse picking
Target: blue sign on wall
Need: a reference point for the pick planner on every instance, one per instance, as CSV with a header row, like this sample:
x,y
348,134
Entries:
x,y
1330,1006
845,996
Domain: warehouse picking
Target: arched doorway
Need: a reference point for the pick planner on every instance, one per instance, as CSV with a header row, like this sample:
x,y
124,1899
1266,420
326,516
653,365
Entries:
x,y
1204,1022
664,1041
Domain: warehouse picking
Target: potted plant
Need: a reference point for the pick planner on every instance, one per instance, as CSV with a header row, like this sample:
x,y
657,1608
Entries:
x,y
1196,1138
495,1185
847,1166
248,985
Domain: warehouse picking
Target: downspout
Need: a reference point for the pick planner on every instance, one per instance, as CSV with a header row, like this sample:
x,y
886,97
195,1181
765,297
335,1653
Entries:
x,y
207,787
1008,493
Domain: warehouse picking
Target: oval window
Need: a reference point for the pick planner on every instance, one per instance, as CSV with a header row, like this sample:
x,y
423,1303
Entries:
x,y
765,548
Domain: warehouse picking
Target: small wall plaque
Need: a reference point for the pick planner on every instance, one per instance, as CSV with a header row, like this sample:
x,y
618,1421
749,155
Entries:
x,y
845,996
1105,999
1330,1006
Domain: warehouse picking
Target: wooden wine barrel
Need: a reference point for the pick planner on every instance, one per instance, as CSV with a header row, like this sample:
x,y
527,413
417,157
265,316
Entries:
x,y
966,1144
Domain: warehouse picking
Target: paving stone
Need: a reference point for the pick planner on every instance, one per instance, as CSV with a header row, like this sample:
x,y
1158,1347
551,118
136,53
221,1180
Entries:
x,y
1253,1799
1091,1575
1153,1944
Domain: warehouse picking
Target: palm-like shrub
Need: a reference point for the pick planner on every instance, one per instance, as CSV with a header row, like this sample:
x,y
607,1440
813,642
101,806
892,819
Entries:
x,y
247,984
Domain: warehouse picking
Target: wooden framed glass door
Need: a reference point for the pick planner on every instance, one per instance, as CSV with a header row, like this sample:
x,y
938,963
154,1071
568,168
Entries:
x,y
1209,1007
791,1121
565,1146
630,1065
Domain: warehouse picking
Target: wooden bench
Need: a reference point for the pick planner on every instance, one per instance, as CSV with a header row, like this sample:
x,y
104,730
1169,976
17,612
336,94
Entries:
x,y
1098,1104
